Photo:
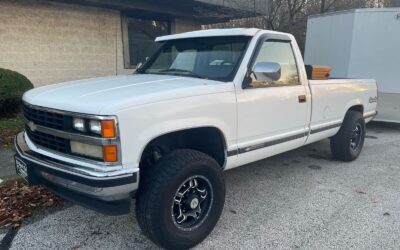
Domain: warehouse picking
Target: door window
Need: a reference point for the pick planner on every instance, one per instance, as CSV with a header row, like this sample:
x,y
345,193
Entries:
x,y
278,52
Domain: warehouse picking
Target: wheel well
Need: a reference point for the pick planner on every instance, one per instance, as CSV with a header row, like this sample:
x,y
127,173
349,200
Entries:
x,y
208,140
358,108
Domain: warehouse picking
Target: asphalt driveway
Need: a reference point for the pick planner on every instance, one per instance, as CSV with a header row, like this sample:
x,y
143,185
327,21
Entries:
x,y
298,200
6,163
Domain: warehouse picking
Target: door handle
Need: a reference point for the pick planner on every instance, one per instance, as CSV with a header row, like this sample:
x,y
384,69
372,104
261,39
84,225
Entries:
x,y
302,98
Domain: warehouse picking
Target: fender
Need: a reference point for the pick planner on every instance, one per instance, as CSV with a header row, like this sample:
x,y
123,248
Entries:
x,y
161,130
215,110
351,104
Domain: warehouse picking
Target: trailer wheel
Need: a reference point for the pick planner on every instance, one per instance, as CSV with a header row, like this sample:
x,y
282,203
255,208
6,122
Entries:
x,y
181,199
347,144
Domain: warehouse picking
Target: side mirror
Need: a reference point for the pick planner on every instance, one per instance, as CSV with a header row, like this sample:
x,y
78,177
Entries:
x,y
267,71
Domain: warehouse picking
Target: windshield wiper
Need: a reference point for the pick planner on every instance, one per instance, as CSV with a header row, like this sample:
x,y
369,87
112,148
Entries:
x,y
191,73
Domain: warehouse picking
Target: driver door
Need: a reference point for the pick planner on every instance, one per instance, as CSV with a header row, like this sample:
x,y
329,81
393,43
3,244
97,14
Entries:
x,y
272,115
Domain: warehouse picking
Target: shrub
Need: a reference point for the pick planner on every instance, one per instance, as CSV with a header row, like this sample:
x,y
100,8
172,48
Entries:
x,y
12,86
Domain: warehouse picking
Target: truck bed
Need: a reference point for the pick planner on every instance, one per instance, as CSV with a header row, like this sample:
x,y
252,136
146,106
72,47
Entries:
x,y
332,98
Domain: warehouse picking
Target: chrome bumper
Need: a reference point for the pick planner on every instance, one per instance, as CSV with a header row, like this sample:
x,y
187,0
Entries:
x,y
109,192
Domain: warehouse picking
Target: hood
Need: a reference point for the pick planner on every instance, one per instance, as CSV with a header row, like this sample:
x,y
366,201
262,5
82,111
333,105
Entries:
x,y
106,95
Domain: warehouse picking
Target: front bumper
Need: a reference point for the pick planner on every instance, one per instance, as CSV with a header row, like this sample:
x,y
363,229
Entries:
x,y
106,192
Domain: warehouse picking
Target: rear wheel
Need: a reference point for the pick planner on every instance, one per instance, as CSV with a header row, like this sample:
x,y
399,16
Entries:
x,y
347,144
181,199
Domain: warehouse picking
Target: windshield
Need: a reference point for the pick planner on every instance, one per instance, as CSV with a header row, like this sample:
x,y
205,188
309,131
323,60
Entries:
x,y
215,58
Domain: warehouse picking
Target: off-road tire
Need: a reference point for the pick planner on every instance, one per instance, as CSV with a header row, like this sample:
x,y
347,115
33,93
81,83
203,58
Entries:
x,y
341,144
158,189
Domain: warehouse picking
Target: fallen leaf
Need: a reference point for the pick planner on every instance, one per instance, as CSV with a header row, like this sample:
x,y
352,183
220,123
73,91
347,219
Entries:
x,y
360,191
232,211
17,202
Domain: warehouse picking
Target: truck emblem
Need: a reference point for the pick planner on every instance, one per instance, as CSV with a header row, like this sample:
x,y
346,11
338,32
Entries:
x,y
32,126
373,99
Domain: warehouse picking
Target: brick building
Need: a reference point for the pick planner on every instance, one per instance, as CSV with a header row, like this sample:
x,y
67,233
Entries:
x,y
55,41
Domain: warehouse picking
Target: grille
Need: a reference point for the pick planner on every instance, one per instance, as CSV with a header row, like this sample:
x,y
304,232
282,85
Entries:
x,y
50,120
48,141
44,118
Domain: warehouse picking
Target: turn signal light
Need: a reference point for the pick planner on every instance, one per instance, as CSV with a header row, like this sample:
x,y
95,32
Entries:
x,y
108,129
110,153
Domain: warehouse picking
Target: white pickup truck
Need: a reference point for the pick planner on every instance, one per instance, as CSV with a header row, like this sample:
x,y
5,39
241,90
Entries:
x,y
205,102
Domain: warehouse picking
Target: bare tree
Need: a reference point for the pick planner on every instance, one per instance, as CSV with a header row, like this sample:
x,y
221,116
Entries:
x,y
272,20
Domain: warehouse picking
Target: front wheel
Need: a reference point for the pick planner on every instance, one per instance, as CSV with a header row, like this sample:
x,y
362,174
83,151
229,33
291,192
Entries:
x,y
181,199
347,144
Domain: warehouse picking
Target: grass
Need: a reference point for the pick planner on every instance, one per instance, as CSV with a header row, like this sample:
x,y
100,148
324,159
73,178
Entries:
x,y
9,127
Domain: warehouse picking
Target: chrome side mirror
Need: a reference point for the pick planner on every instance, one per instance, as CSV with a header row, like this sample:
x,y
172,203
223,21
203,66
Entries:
x,y
267,71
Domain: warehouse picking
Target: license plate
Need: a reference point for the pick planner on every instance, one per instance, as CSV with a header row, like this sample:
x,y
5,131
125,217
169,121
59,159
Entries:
x,y
21,168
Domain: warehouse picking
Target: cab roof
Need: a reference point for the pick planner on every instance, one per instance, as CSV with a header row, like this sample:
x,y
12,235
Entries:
x,y
211,32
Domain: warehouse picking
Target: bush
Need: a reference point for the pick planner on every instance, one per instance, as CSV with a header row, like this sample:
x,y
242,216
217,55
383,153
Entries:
x,y
12,86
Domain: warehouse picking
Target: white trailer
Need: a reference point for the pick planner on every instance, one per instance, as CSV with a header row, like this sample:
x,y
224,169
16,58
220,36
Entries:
x,y
361,43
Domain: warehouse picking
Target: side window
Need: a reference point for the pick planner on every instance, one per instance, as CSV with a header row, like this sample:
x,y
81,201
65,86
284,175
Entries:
x,y
282,53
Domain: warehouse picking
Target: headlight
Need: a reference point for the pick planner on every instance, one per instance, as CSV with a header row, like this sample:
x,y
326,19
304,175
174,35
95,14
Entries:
x,y
105,128
95,126
79,124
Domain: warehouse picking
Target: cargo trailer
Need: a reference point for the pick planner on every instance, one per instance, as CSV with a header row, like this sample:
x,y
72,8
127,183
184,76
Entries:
x,y
361,43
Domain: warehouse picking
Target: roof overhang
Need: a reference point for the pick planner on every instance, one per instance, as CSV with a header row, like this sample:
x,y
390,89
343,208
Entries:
x,y
205,11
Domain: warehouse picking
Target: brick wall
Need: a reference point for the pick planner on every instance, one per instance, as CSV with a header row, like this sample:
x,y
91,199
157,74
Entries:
x,y
51,43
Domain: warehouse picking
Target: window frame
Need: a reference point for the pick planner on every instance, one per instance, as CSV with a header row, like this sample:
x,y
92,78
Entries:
x,y
125,37
262,39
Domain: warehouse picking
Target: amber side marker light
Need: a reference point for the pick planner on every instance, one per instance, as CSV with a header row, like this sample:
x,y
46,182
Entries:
x,y
108,129
110,153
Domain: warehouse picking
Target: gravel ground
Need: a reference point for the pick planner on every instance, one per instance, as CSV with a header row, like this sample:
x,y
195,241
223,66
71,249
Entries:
x,y
6,163
297,200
